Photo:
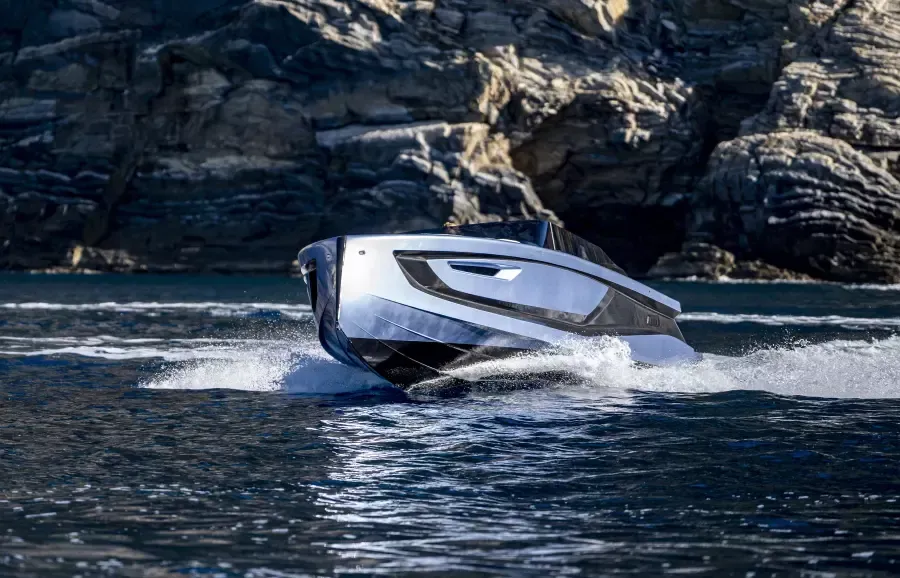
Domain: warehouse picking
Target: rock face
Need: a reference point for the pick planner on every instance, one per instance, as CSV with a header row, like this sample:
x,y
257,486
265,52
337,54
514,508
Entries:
x,y
225,134
811,184
806,202
707,262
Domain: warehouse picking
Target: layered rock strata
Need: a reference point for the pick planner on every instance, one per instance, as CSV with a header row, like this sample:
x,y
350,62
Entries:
x,y
225,134
813,182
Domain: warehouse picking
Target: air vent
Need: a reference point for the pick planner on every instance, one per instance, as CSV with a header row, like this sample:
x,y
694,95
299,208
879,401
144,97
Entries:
x,y
485,269
475,269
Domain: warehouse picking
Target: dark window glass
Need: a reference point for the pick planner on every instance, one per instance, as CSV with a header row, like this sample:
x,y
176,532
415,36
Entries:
x,y
531,232
565,242
540,233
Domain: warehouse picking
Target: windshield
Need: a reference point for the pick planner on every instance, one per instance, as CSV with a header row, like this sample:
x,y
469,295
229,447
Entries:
x,y
539,233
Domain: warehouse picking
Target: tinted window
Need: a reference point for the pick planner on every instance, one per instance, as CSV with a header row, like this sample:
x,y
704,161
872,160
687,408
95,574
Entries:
x,y
540,233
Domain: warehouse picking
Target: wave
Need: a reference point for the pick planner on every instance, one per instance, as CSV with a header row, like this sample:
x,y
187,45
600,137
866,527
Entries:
x,y
98,339
836,369
801,320
301,311
245,368
118,348
291,362
284,360
294,365
221,351
291,310
814,282
872,287
731,281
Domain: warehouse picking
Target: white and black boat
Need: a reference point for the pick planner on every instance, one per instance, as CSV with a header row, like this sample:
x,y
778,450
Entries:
x,y
412,307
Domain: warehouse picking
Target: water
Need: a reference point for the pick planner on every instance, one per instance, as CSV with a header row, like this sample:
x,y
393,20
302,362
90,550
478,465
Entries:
x,y
171,426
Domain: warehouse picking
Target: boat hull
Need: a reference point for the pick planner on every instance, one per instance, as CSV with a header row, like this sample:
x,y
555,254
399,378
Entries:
x,y
415,307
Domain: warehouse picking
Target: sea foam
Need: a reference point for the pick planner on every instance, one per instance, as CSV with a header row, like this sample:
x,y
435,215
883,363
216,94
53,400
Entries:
x,y
295,363
838,369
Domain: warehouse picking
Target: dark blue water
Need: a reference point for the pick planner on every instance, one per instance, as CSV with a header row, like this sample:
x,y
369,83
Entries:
x,y
177,426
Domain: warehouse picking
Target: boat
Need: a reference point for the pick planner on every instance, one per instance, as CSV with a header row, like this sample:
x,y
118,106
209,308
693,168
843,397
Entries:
x,y
414,307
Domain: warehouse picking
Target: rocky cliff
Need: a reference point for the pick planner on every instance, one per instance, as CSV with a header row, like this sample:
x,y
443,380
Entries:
x,y
155,135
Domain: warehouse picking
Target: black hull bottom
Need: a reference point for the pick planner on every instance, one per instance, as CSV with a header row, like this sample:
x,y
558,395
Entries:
x,y
406,363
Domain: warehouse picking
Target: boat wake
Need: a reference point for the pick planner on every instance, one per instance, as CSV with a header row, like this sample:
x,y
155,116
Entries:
x,y
292,360
296,364
836,369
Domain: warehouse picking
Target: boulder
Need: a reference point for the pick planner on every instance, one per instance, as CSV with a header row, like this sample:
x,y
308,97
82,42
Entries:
x,y
812,183
421,176
701,261
695,260
805,202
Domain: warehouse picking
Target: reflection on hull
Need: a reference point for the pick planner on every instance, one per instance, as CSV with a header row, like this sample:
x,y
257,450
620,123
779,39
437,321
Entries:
x,y
413,307
406,363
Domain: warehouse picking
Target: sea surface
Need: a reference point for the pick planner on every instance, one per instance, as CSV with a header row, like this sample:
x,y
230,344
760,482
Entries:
x,y
179,426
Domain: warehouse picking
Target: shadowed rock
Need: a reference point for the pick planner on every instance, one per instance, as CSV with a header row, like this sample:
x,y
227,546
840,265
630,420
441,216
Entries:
x,y
812,185
805,202
225,134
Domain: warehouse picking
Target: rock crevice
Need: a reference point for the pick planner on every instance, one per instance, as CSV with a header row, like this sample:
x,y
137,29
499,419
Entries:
x,y
222,135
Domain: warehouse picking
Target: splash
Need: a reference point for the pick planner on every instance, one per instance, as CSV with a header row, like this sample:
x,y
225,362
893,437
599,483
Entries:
x,y
251,368
837,369
295,363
